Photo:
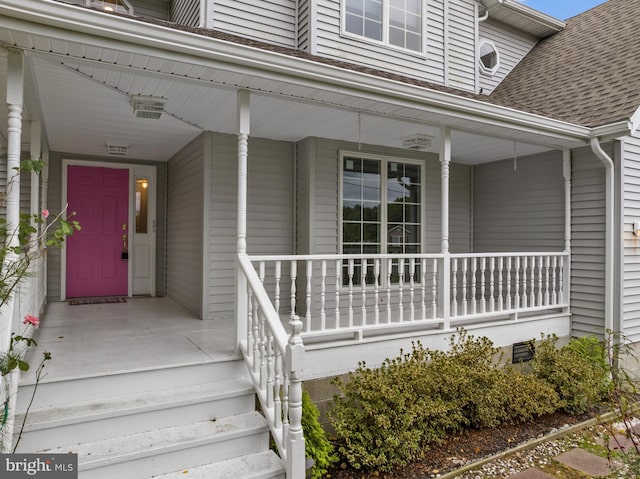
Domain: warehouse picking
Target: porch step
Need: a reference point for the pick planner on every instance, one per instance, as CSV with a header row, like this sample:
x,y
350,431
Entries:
x,y
88,388
48,427
262,465
157,452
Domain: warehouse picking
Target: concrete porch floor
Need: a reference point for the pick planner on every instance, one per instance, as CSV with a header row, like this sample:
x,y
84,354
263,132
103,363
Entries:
x,y
143,333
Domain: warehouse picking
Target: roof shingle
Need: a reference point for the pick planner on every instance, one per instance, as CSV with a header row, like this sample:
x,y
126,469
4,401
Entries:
x,y
588,74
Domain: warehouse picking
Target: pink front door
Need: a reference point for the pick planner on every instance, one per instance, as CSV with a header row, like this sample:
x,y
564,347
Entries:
x,y
100,198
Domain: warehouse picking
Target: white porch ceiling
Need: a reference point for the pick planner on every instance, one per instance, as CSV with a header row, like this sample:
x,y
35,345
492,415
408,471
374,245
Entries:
x,y
84,95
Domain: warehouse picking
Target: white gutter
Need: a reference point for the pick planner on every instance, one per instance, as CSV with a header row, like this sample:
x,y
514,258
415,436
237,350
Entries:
x,y
609,234
106,31
531,14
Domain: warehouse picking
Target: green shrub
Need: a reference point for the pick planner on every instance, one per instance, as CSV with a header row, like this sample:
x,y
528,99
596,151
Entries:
x,y
316,444
388,416
575,371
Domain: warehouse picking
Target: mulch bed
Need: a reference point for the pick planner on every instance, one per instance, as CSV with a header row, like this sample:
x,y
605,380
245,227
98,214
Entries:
x,y
468,446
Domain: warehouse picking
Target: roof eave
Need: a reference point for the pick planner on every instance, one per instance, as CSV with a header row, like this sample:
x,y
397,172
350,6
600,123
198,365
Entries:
x,y
612,131
52,18
545,25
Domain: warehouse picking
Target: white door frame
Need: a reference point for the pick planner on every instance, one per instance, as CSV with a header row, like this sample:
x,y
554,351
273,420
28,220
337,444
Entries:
x,y
148,171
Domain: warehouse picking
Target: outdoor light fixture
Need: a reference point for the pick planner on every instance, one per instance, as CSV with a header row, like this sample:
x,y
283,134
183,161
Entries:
x,y
636,228
147,106
419,141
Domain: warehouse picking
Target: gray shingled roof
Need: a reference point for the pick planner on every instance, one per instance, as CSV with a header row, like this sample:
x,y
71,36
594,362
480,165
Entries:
x,y
587,74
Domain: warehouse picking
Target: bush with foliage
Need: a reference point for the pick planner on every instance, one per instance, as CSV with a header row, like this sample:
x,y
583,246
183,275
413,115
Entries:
x,y
316,444
388,416
578,371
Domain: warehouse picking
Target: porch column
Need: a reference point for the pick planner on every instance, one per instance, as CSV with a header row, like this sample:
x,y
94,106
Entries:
x,y
244,120
15,87
445,159
566,172
36,154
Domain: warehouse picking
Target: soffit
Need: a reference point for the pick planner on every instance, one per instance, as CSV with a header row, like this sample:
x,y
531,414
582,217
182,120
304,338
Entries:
x,y
89,87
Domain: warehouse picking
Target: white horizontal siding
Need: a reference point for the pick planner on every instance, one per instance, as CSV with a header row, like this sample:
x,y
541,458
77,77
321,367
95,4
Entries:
x,y
269,211
461,39
184,226
631,256
427,65
272,21
587,242
519,209
304,25
185,12
512,47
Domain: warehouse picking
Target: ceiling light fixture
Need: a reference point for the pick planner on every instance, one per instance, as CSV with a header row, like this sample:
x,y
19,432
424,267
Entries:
x,y
419,141
147,106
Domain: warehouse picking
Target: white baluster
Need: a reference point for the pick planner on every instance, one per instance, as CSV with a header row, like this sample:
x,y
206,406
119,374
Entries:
x,y
454,288
261,273
540,274
525,265
546,280
323,292
270,369
376,290
434,290
483,269
500,266
294,275
464,286
412,309
554,296
474,271
423,287
307,317
507,299
263,350
251,331
492,269
350,273
401,289
532,283
256,338
277,294
561,281
389,266
516,298
338,286
277,386
363,284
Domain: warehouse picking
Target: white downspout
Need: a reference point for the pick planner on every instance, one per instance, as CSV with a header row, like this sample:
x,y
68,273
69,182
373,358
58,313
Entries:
x,y
609,233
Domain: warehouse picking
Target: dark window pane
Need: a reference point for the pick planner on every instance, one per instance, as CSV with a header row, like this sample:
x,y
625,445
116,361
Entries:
x,y
371,233
371,211
351,233
351,211
412,213
394,213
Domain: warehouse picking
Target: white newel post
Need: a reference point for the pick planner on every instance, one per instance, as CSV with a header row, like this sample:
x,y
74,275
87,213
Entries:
x,y
295,437
244,122
445,159
566,171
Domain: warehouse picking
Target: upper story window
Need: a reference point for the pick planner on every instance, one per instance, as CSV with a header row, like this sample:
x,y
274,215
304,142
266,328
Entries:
x,y
119,6
392,22
489,57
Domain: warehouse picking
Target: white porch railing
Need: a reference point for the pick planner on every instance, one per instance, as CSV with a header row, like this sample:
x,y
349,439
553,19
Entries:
x,y
372,294
275,360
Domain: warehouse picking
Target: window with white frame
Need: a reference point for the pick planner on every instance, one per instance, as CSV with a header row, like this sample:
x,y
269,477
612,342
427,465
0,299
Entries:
x,y
489,57
392,22
381,209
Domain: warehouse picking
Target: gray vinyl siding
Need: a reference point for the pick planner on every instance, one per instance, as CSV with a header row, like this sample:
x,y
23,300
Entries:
x,y
272,21
318,161
54,203
185,12
631,258
462,67
427,65
587,242
269,211
185,200
521,209
512,47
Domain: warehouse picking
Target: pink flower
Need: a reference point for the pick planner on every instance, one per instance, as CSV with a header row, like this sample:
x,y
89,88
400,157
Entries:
x,y
45,213
28,319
